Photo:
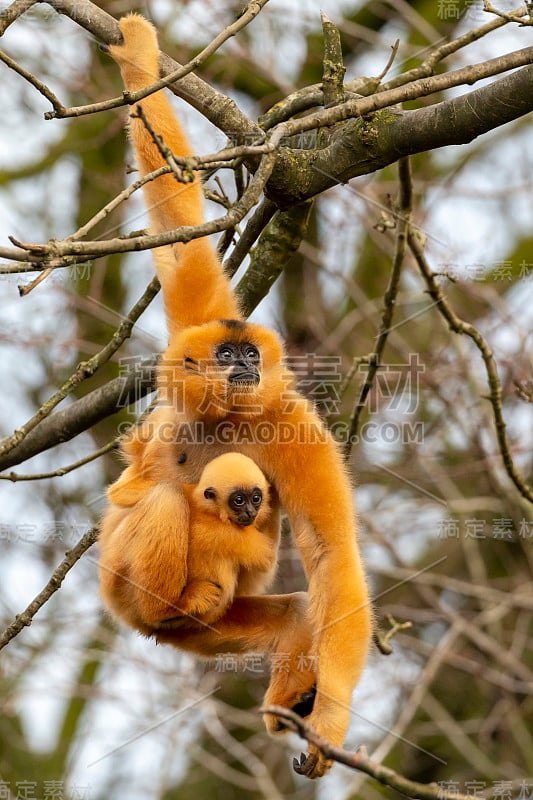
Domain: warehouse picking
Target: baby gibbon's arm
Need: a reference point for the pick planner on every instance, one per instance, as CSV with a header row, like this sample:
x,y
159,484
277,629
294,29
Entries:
x,y
204,292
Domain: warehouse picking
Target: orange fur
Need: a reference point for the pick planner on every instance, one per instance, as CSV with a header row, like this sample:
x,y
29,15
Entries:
x,y
202,415
157,579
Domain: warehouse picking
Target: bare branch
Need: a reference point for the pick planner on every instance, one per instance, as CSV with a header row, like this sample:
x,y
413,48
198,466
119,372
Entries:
x,y
68,251
460,326
427,67
216,107
374,362
333,67
360,761
85,370
81,415
60,471
39,85
71,557
513,17
412,91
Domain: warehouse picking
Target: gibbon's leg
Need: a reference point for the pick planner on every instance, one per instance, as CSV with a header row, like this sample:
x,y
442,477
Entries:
x,y
198,597
143,562
273,624
204,292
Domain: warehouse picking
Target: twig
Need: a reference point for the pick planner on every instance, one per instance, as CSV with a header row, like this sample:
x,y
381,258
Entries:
x,y
39,85
460,326
360,761
58,473
257,223
182,176
427,67
512,17
374,362
333,67
115,202
13,12
280,239
25,289
390,62
68,251
85,370
22,621
382,640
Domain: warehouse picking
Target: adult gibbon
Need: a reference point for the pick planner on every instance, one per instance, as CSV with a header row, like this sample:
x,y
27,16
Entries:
x,y
226,553
223,385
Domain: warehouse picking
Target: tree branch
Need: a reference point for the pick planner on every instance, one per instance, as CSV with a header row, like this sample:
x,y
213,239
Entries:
x,y
460,326
64,425
71,557
280,239
85,370
374,362
360,761
362,146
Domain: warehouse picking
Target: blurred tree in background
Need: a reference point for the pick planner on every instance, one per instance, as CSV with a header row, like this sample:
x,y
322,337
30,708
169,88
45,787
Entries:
x,y
95,712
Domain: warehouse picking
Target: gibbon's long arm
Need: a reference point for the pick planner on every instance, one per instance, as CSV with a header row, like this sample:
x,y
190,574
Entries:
x,y
327,641
204,292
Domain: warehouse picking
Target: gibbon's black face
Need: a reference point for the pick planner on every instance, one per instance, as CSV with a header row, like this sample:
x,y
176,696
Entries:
x,y
244,360
243,504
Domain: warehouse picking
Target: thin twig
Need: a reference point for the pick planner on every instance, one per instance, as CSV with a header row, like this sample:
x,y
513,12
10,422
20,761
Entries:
x,y
85,370
256,224
443,51
495,390
360,761
24,619
68,252
512,17
60,471
39,85
374,362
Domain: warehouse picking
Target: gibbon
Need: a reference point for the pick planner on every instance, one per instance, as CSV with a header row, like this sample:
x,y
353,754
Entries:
x,y
226,552
223,386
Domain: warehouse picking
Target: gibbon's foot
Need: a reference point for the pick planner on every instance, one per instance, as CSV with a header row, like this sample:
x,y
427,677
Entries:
x,y
312,765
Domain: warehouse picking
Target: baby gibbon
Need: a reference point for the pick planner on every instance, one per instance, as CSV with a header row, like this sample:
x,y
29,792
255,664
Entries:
x,y
230,498
226,552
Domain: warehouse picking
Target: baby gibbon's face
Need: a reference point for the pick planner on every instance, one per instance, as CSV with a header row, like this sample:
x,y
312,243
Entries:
x,y
233,488
244,504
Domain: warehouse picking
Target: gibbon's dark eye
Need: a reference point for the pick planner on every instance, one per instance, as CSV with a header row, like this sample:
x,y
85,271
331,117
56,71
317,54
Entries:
x,y
238,500
225,353
252,353
257,497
